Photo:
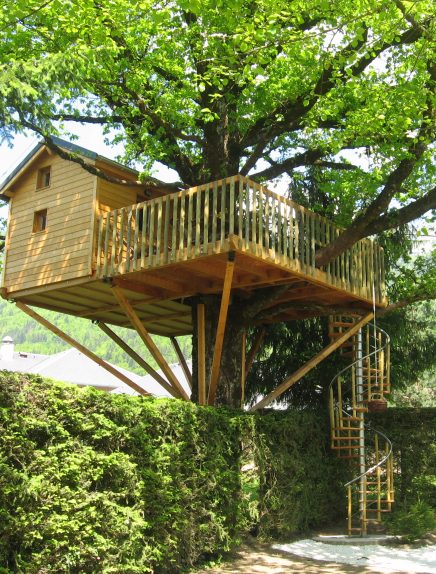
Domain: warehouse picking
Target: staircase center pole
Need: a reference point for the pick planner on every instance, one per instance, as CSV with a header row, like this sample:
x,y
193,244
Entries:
x,y
362,466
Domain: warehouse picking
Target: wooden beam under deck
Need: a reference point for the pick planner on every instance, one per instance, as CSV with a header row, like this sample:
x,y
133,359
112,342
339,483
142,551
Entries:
x,y
81,348
148,341
294,378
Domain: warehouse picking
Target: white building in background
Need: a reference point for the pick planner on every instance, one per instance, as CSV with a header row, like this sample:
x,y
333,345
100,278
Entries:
x,y
71,366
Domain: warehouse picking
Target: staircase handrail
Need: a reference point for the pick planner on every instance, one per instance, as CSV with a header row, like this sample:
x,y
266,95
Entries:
x,y
382,461
384,346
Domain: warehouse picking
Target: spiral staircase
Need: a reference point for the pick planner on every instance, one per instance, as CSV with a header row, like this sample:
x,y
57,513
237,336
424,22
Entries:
x,y
357,389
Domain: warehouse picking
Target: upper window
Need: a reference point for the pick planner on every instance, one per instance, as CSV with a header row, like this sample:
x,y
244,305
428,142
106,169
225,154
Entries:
x,y
44,177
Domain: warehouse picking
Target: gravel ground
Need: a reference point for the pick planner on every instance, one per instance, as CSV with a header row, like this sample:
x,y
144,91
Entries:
x,y
310,557
376,557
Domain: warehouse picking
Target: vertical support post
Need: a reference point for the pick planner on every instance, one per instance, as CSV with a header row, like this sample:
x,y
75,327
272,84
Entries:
x,y
201,348
243,376
222,320
362,466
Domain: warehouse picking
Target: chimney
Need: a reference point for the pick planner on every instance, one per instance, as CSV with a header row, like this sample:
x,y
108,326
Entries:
x,y
7,349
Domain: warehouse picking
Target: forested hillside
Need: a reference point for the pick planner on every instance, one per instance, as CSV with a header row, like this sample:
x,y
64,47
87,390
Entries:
x,y
31,337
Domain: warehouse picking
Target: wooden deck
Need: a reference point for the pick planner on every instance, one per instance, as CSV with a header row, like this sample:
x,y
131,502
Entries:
x,y
234,214
162,251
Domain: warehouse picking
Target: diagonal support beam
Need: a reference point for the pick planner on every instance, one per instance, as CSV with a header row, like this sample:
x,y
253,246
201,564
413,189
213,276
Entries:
x,y
222,321
254,350
294,378
201,351
80,348
182,360
148,341
138,359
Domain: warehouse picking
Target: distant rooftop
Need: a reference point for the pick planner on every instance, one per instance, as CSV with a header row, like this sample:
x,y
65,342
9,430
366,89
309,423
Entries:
x,y
71,366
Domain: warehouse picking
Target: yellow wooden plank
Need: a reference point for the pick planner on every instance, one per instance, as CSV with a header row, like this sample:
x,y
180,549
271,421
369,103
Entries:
x,y
80,347
219,339
148,341
295,377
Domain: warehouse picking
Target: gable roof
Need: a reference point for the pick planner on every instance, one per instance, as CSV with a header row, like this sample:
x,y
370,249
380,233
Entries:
x,y
68,146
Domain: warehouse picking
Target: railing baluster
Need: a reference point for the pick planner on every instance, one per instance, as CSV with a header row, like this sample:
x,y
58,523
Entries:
x,y
158,215
279,232
241,207
128,238
165,246
247,213
182,225
120,238
99,242
223,219
214,214
106,243
198,196
176,202
190,222
135,239
114,242
232,207
273,226
253,222
267,224
151,246
143,235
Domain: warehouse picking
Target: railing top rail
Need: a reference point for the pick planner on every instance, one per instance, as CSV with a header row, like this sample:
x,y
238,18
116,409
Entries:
x,y
254,185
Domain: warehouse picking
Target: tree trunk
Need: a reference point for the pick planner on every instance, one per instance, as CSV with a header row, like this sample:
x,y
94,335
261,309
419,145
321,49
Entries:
x,y
229,383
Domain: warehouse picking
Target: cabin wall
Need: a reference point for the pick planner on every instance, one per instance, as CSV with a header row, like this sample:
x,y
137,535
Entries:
x,y
62,251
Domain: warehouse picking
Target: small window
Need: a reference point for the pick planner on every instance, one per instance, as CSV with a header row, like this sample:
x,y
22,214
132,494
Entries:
x,y
44,177
40,220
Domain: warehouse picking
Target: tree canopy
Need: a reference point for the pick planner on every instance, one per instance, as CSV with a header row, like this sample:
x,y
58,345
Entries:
x,y
264,88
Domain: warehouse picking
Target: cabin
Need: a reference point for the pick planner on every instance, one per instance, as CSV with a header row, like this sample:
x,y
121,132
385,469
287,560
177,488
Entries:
x,y
100,245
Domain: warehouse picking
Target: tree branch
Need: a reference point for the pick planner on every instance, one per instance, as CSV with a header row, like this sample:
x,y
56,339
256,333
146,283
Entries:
x,y
309,157
398,217
294,111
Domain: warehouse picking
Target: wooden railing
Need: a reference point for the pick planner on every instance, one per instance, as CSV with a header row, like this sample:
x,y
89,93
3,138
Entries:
x,y
237,212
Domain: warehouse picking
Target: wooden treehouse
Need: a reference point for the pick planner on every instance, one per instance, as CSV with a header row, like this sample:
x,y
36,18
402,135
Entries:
x,y
132,256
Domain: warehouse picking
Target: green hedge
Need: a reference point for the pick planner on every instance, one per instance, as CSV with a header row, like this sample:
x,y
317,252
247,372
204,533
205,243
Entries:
x,y
91,482
301,481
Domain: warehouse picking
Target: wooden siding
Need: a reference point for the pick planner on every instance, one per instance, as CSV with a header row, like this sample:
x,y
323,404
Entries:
x,y
62,251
